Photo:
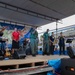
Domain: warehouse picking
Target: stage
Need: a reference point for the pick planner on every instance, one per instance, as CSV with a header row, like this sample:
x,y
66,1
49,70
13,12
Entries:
x,y
29,61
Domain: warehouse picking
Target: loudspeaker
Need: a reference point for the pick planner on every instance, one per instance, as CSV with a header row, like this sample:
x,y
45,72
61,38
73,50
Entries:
x,y
71,52
19,54
67,66
1,53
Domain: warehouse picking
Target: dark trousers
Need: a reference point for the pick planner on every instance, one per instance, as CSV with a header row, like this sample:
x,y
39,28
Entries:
x,y
46,47
52,49
62,49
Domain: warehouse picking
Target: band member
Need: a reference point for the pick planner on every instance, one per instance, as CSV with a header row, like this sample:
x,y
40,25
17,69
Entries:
x,y
15,39
33,42
61,43
52,38
2,40
1,30
46,43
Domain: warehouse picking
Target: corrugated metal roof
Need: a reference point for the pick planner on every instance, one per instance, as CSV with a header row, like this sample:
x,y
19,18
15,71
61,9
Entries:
x,y
36,12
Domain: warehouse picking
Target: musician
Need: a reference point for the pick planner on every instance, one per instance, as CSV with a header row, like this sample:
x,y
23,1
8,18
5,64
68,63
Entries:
x,y
1,31
61,43
52,38
25,43
46,43
2,40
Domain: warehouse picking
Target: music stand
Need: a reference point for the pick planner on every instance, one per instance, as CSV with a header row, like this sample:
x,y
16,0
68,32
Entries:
x,y
69,41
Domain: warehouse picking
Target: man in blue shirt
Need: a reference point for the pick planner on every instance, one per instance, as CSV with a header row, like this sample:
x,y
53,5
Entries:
x,y
52,38
61,43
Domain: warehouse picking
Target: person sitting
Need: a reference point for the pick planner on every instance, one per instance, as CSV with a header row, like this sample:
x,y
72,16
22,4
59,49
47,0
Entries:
x,y
26,46
40,52
25,43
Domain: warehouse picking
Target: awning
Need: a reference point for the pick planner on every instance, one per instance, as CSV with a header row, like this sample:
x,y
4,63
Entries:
x,y
36,12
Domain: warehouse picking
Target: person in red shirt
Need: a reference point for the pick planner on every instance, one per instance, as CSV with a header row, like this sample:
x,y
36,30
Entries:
x,y
15,39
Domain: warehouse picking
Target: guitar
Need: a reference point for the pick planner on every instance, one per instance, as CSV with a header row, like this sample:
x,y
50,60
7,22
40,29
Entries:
x,y
7,53
55,41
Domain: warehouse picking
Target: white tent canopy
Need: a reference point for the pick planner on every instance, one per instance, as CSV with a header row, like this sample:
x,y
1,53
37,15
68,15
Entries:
x,y
36,12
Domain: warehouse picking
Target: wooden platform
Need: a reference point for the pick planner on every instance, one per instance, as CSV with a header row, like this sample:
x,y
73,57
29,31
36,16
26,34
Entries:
x,y
29,61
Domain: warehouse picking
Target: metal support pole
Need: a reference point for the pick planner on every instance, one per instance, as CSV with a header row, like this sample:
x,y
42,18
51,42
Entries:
x,y
56,28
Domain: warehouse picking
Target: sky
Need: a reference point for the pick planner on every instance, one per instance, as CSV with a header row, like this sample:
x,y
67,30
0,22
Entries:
x,y
63,23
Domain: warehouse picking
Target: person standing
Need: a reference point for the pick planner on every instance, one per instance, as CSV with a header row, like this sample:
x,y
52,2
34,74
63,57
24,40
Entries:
x,y
33,41
61,43
52,39
36,40
15,39
46,43
2,40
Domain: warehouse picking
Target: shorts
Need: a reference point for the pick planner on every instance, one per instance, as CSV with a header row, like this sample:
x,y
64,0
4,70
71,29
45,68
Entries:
x,y
15,45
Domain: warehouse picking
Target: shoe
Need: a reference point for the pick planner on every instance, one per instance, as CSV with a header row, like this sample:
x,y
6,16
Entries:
x,y
34,55
59,54
48,54
43,53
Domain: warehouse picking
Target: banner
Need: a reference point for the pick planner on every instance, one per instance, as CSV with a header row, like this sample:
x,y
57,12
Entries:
x,y
10,27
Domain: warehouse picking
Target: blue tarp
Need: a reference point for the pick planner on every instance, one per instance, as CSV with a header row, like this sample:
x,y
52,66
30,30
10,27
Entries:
x,y
27,35
50,73
56,64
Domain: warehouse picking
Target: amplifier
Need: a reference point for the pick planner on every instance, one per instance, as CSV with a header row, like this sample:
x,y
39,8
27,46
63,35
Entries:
x,y
19,54
67,66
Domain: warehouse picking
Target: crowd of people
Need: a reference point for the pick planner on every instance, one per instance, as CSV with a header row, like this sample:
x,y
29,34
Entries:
x,y
48,41
16,34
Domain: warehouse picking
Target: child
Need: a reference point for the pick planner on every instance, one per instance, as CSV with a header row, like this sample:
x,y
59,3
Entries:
x,y
40,52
